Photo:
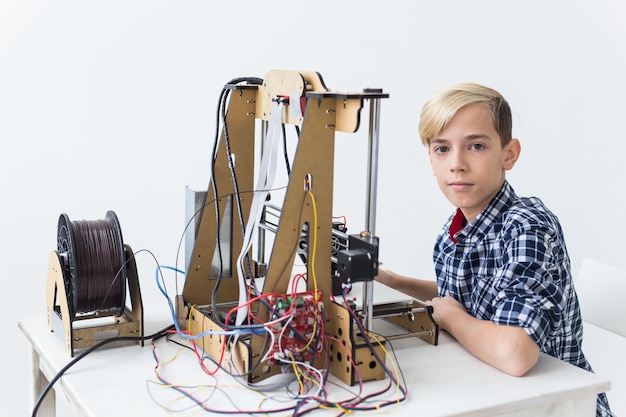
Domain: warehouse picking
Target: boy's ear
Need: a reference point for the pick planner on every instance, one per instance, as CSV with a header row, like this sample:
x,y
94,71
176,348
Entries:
x,y
511,154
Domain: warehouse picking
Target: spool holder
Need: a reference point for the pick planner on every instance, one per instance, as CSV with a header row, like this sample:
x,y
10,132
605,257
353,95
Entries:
x,y
84,330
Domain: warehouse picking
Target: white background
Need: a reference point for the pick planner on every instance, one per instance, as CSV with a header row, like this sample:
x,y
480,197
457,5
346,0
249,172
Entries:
x,y
110,105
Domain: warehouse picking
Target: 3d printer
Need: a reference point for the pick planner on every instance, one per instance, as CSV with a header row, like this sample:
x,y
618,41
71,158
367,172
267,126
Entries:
x,y
240,291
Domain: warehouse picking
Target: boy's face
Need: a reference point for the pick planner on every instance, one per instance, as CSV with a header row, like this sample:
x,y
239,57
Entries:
x,y
468,159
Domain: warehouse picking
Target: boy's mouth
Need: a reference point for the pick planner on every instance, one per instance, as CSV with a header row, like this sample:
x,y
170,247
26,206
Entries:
x,y
459,185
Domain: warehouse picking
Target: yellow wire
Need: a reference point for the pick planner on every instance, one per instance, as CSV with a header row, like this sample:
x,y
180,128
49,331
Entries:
x,y
200,388
312,263
296,371
193,307
308,378
393,363
314,205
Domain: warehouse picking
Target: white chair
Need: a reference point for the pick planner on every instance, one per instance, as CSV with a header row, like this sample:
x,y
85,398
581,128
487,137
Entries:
x,y
601,291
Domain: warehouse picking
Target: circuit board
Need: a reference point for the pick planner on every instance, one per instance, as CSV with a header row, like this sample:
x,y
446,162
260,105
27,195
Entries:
x,y
297,326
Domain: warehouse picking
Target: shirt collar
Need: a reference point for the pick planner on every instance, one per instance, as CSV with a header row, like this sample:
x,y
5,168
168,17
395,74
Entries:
x,y
458,223
459,228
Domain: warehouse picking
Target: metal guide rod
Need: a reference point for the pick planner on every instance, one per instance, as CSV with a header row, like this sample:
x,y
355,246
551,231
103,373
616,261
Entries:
x,y
412,334
370,214
261,231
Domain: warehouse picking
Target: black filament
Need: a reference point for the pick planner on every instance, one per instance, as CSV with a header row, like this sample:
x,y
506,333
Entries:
x,y
98,270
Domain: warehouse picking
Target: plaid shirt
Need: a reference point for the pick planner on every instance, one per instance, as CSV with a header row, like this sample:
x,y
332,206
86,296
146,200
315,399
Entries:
x,y
510,265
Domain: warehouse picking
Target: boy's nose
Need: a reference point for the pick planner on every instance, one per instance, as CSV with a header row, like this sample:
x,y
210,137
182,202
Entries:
x,y
457,161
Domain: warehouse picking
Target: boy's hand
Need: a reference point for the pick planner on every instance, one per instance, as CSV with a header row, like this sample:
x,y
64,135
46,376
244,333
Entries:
x,y
444,308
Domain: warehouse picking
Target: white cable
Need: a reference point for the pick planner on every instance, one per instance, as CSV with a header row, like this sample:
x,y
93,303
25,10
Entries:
x,y
272,383
282,334
294,101
265,181
271,345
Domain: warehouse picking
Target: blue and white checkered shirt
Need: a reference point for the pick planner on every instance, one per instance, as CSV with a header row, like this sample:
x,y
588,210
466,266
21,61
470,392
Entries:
x,y
510,265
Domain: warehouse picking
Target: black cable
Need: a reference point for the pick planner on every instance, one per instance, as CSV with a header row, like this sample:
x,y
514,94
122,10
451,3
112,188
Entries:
x,y
285,153
87,351
221,117
218,243
237,195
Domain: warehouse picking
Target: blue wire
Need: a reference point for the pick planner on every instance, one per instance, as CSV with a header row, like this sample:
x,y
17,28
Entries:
x,y
175,319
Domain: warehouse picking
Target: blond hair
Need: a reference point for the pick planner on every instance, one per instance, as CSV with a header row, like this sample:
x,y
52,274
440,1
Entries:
x,y
443,105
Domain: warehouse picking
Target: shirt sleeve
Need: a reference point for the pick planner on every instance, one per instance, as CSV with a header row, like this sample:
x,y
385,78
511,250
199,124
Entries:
x,y
529,286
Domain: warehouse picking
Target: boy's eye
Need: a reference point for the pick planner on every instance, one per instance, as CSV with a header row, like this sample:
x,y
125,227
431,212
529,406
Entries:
x,y
477,146
441,149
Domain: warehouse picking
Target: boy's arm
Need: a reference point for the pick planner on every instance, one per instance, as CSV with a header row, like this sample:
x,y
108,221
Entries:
x,y
417,288
508,348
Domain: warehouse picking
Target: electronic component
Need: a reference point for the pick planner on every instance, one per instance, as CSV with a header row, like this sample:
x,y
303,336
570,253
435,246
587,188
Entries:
x,y
297,326
360,261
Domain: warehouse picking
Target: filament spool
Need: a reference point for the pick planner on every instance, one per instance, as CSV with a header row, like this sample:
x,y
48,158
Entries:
x,y
88,276
93,264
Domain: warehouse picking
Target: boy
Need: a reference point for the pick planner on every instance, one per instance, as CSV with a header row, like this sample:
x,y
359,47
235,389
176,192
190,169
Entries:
x,y
502,267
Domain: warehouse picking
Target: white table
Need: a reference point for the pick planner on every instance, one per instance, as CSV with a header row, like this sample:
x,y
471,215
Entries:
x,y
443,380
